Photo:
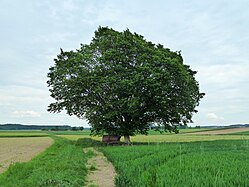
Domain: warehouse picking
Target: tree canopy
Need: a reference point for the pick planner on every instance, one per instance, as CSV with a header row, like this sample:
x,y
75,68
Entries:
x,y
122,84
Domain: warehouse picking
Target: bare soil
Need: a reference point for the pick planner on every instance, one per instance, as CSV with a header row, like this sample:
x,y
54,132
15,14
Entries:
x,y
102,172
222,131
14,150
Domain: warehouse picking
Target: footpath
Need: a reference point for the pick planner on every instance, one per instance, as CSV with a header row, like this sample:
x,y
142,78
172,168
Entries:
x,y
102,172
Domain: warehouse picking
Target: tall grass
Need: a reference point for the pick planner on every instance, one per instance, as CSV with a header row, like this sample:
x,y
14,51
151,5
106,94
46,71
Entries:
x,y
62,164
216,163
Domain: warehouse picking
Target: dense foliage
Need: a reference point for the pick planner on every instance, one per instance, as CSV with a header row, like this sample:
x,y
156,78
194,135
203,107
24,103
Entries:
x,y
215,163
122,84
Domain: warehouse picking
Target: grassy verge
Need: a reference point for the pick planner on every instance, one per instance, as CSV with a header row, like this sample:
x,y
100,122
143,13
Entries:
x,y
62,164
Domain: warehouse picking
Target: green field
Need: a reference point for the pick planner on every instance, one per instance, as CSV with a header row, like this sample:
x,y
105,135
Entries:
x,y
33,133
150,139
37,133
22,134
62,164
214,163
241,133
84,132
155,160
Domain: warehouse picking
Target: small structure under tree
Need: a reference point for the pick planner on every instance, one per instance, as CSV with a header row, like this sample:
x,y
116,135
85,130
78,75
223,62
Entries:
x,y
111,139
122,83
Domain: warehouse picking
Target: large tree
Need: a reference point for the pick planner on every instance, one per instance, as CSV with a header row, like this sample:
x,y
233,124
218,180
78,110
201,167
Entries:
x,y
122,84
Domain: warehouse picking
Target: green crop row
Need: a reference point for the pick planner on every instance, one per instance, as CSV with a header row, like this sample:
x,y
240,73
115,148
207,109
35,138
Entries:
x,y
14,134
215,163
241,133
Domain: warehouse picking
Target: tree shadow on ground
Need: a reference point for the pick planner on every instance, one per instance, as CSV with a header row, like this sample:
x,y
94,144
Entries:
x,y
89,142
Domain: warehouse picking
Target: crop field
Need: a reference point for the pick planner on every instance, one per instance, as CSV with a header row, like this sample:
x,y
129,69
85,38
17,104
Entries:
x,y
167,159
223,131
22,134
62,164
212,163
181,131
84,132
166,138
74,135
241,133
184,138
14,150
185,135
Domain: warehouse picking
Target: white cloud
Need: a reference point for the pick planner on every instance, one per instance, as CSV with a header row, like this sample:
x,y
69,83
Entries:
x,y
213,116
213,37
23,95
28,113
223,74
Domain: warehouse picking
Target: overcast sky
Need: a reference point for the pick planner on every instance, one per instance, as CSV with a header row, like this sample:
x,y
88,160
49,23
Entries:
x,y
212,35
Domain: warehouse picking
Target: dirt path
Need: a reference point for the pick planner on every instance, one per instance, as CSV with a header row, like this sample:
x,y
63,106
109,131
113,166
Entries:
x,y
223,131
21,149
102,172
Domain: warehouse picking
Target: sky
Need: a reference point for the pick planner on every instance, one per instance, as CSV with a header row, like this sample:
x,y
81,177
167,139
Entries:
x,y
213,37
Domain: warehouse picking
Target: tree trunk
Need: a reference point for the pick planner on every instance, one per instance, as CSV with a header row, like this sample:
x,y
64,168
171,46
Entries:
x,y
127,139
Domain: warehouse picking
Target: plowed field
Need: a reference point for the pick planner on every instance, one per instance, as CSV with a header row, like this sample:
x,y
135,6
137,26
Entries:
x,y
222,131
21,149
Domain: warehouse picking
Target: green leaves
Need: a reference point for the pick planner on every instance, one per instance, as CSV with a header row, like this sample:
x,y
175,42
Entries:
x,y
122,83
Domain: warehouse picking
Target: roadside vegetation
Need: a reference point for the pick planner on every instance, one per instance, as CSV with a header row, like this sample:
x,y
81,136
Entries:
x,y
62,164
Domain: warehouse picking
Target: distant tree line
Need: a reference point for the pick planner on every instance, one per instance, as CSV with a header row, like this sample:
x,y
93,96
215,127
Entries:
x,y
39,127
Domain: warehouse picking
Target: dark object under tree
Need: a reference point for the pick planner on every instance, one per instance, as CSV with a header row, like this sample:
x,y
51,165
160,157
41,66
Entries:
x,y
122,84
111,139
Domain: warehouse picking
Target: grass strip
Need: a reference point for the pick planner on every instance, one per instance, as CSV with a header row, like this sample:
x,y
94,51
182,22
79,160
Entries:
x,y
62,164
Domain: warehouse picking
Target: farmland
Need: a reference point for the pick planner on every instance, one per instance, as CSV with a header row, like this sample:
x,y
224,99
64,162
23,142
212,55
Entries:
x,y
213,163
150,139
241,133
62,164
224,131
185,135
12,134
21,149
167,159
